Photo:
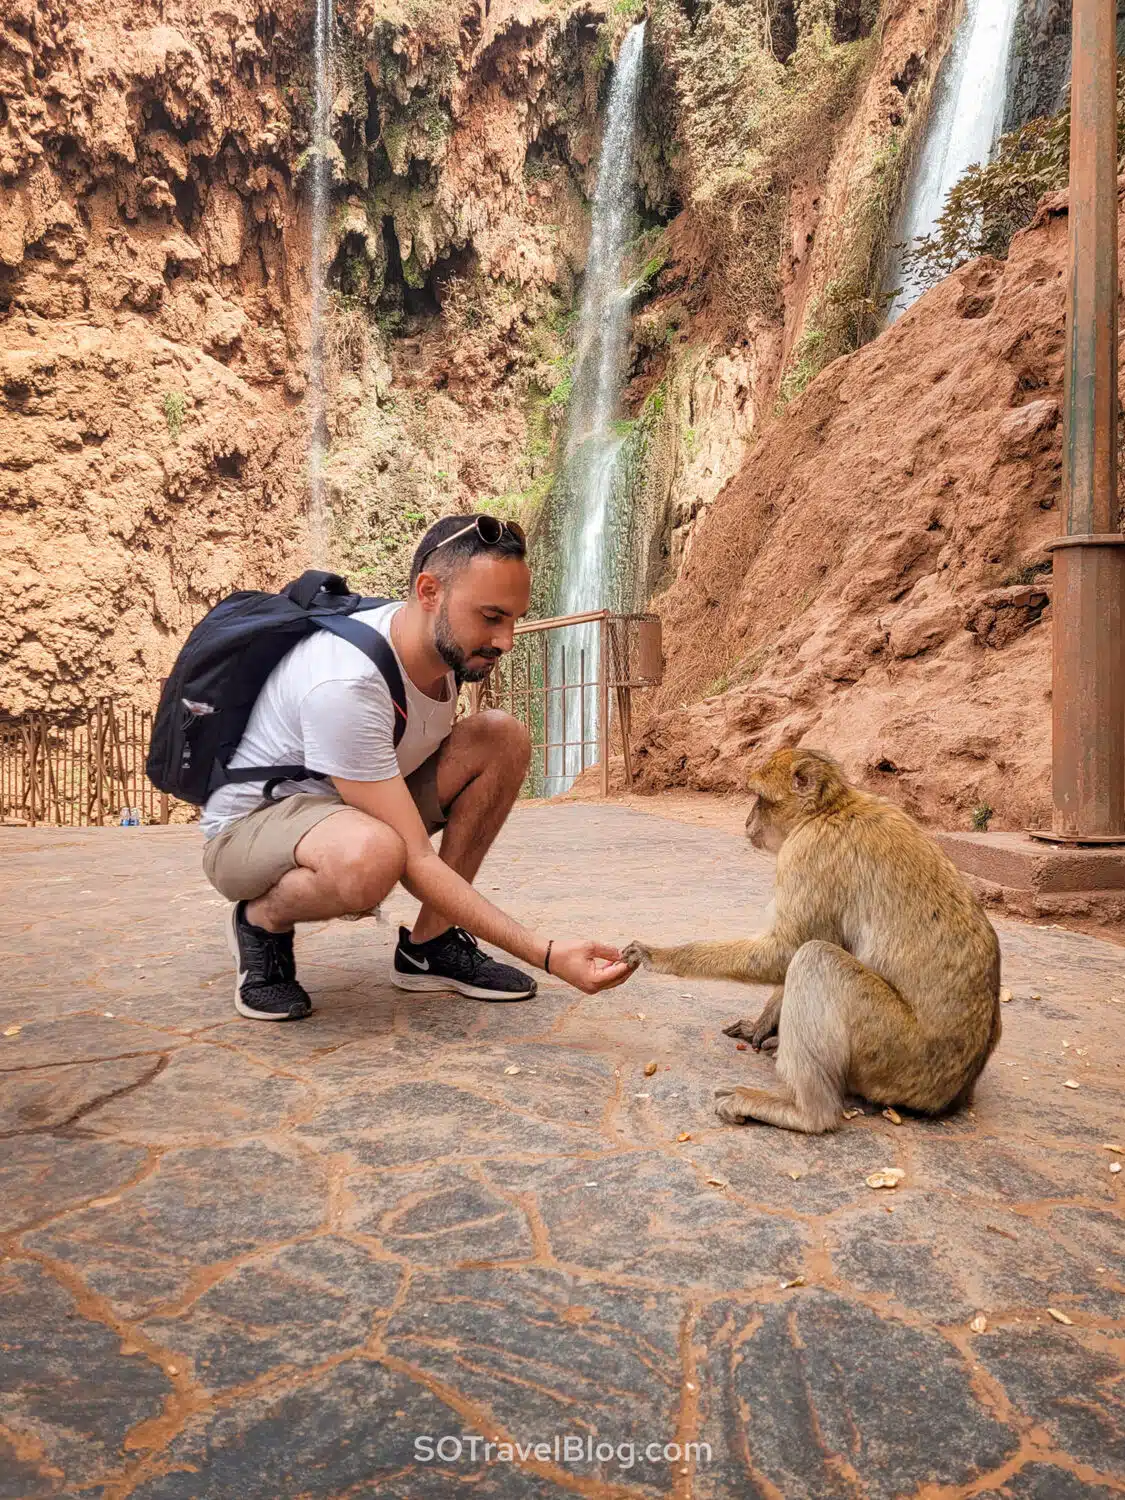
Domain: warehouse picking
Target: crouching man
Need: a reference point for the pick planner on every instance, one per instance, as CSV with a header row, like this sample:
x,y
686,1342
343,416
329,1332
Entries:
x,y
336,847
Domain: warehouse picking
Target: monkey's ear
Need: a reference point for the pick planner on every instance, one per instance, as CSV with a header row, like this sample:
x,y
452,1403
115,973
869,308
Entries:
x,y
806,779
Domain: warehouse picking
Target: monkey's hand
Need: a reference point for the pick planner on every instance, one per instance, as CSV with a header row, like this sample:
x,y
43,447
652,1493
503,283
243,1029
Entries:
x,y
743,1029
637,956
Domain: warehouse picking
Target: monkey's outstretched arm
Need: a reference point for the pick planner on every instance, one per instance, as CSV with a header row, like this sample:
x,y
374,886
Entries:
x,y
761,960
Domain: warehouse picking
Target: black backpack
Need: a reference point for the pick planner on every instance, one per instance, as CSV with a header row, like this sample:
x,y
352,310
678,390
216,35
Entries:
x,y
207,699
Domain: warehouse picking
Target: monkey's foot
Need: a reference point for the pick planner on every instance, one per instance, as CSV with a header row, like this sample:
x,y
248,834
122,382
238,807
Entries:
x,y
737,1105
743,1029
636,955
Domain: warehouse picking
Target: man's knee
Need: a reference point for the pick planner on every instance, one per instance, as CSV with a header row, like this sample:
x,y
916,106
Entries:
x,y
369,859
508,739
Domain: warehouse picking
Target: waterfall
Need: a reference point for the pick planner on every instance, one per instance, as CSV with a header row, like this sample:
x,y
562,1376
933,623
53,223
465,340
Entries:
x,y
966,114
590,550
320,167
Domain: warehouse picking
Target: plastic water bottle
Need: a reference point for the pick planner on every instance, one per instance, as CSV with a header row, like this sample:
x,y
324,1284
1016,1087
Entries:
x,y
130,818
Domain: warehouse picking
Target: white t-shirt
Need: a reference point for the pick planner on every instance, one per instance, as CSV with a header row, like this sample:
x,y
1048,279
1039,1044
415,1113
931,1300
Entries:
x,y
327,706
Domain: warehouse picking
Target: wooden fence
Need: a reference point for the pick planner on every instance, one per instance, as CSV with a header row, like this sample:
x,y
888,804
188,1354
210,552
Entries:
x,y
88,771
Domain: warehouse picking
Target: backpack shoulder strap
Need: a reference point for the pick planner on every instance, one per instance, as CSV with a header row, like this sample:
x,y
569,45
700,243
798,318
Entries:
x,y
377,649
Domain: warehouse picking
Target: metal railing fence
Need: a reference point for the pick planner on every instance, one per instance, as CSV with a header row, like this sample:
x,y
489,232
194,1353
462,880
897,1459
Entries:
x,y
570,680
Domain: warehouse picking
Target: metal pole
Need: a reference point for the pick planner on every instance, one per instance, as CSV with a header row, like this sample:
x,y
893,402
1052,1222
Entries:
x,y
99,762
625,721
582,708
32,773
603,702
546,711
1088,696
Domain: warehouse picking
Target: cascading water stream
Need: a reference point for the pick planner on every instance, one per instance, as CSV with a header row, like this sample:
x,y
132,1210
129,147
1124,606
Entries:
x,y
590,558
966,114
320,168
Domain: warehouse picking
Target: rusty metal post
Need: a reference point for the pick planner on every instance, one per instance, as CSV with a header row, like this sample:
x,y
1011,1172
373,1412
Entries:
x,y
625,723
1088,597
546,671
650,651
620,630
99,760
31,742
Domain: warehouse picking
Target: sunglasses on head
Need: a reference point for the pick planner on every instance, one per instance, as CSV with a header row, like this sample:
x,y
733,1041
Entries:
x,y
488,528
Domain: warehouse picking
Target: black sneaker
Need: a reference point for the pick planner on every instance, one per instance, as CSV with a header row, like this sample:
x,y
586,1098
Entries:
x,y
266,988
453,961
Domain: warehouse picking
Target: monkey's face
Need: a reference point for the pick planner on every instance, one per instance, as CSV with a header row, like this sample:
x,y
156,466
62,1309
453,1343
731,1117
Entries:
x,y
765,829
789,788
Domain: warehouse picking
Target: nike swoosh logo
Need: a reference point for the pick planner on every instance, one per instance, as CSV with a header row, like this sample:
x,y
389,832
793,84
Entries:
x,y
419,963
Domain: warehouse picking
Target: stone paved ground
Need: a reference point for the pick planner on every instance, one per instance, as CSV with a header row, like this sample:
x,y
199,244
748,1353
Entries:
x,y
250,1261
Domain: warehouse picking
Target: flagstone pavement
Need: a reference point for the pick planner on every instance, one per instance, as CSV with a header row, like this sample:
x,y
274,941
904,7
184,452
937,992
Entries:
x,y
423,1247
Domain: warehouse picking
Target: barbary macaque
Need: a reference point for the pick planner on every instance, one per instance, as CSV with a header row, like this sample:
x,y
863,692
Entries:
x,y
888,970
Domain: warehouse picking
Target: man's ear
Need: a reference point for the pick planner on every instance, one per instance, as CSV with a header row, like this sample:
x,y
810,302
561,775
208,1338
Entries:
x,y
427,588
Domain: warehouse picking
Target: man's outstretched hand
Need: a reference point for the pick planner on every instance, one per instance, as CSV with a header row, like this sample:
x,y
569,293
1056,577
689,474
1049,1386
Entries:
x,y
589,967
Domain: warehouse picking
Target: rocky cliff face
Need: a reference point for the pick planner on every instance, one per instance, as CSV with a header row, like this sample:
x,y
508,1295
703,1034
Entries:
x,y
1039,69
875,580
155,281
154,301
151,291
879,550
1039,73
789,148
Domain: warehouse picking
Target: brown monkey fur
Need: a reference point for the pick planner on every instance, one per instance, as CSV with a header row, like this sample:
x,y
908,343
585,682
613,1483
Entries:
x,y
888,970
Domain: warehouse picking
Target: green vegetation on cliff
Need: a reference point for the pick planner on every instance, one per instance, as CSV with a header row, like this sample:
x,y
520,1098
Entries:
x,y
748,123
455,274
852,308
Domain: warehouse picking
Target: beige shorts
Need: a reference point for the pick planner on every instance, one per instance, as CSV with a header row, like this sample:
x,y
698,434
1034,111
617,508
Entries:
x,y
251,856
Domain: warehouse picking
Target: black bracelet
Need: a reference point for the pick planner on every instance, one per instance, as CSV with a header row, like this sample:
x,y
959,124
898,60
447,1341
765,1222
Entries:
x,y
547,960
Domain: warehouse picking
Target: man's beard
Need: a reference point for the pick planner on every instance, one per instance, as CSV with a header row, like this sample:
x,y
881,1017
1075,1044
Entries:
x,y
452,655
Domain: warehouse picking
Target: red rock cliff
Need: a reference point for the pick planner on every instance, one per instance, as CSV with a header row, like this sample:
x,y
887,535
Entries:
x,y
153,290
874,581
